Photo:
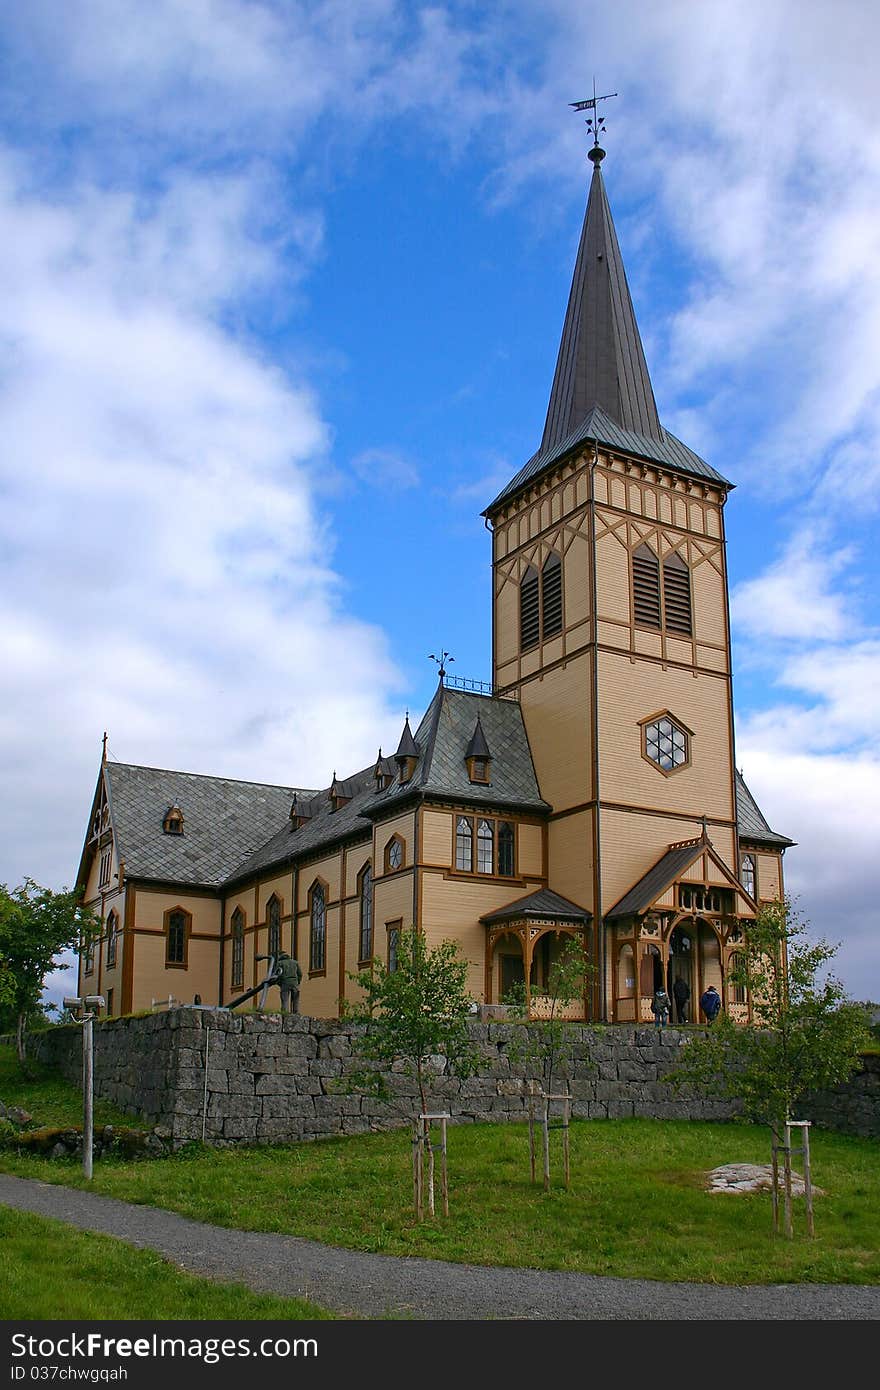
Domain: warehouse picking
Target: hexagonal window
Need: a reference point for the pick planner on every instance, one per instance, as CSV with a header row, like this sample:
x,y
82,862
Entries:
x,y
666,743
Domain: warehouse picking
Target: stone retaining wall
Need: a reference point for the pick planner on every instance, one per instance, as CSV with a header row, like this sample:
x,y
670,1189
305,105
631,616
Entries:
x,y
274,1078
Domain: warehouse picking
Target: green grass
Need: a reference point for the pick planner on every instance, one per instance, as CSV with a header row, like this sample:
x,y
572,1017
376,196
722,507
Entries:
x,y
636,1208
51,1271
49,1098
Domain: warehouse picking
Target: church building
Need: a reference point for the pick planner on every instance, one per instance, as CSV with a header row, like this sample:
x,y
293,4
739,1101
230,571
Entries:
x,y
589,791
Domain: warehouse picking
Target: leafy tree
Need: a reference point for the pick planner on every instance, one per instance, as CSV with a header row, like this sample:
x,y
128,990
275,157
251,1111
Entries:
x,y
549,1039
35,925
411,1014
806,1035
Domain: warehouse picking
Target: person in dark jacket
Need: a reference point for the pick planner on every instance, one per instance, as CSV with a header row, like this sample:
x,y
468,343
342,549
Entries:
x,y
710,1003
660,1009
681,993
288,975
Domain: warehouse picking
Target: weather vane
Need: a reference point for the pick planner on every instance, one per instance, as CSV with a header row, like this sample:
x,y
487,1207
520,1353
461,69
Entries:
x,y
440,660
595,123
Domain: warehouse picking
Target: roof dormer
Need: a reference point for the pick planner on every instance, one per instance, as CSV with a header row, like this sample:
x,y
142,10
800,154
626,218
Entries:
x,y
172,823
477,756
407,754
300,813
340,793
383,772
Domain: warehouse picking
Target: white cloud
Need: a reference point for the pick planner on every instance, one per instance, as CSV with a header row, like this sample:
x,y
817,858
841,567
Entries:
x,y
164,567
794,597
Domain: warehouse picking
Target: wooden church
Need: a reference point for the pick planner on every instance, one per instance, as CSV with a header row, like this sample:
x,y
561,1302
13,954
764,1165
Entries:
x,y
590,791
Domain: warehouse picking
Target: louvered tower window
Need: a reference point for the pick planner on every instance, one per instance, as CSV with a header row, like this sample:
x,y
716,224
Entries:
x,y
646,587
529,611
677,595
551,596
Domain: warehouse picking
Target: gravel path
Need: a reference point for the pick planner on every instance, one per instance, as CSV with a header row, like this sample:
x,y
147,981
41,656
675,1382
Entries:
x,y
373,1286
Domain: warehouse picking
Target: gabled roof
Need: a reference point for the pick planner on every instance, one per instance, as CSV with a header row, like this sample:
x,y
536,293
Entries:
x,y
223,819
442,739
540,905
667,869
601,387
750,823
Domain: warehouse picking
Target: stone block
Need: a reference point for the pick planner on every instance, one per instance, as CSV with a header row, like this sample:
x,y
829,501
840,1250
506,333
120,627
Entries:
x,y
240,1129
287,1107
269,1084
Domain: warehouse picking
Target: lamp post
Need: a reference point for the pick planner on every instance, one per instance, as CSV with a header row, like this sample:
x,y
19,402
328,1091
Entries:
x,y
85,1009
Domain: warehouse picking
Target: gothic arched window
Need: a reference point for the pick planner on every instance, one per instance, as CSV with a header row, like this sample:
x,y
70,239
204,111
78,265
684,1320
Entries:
x,y
365,895
318,924
273,924
237,948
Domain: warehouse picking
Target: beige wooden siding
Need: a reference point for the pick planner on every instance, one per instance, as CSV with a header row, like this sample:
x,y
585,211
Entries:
x,y
570,850
630,692
556,710
451,910
437,838
392,899
768,867
530,850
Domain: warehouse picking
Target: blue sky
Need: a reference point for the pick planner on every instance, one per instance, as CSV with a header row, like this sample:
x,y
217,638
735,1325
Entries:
x,y
280,301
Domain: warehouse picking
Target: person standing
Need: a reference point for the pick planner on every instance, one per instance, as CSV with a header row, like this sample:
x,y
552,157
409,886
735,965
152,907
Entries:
x,y
289,976
660,1010
681,993
710,1003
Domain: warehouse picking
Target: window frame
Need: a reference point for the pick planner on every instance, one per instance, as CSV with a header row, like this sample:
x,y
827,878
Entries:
x,y
752,859
365,874
395,839
315,936
274,902
392,940
645,724
112,938
186,928
237,924
496,822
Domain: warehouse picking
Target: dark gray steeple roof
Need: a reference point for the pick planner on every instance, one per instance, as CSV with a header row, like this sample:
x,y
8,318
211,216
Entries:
x,y
601,361
601,388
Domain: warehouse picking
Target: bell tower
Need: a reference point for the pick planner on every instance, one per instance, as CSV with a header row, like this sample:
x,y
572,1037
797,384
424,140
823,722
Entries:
x,y
610,621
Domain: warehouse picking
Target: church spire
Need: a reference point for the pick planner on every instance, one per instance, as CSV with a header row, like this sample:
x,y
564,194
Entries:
x,y
601,361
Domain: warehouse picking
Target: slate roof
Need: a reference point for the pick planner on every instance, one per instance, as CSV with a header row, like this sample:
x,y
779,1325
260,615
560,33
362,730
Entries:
x,y
442,739
324,827
750,823
223,818
542,904
668,451
658,878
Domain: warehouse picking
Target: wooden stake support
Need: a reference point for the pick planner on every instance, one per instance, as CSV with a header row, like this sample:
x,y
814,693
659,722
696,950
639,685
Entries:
x,y
787,1149
424,1164
544,1101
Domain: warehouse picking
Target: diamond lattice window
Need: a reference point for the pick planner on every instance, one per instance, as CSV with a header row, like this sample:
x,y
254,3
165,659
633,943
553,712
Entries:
x,y
666,744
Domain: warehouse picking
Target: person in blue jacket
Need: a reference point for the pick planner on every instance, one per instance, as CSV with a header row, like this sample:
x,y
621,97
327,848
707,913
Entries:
x,y
710,1003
